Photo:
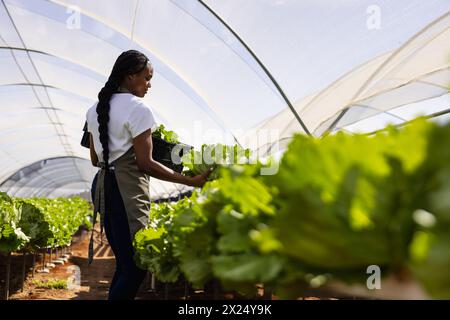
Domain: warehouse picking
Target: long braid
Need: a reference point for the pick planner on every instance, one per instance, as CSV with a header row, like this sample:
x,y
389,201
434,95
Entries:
x,y
129,62
103,107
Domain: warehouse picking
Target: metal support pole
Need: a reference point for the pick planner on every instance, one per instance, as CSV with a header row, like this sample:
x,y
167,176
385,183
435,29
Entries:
x,y
43,260
23,271
8,274
166,291
186,290
267,293
263,67
33,265
153,282
216,289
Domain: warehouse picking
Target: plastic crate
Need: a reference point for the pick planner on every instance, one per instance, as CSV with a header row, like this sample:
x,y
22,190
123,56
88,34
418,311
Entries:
x,y
85,139
162,152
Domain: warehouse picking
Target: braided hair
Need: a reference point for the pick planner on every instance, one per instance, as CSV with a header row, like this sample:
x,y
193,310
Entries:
x,y
129,62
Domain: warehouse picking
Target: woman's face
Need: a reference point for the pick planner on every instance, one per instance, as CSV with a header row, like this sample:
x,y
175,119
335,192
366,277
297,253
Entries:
x,y
139,83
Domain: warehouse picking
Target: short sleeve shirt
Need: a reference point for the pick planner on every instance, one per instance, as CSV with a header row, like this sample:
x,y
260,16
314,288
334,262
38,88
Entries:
x,y
129,116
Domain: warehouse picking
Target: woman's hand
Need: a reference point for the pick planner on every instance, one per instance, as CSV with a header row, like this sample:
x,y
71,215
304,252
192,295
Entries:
x,y
200,180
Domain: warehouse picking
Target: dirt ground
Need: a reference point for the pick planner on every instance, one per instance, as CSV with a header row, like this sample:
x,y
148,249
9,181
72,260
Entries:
x,y
94,279
91,282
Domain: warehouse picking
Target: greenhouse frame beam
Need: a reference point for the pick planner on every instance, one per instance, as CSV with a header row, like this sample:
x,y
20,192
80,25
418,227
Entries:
x,y
30,84
430,116
48,184
438,114
204,105
381,111
371,108
356,103
25,49
62,137
65,91
400,49
67,180
387,61
36,163
266,71
66,146
77,192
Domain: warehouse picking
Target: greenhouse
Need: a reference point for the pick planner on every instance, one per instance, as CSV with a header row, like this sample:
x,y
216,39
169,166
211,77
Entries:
x,y
313,143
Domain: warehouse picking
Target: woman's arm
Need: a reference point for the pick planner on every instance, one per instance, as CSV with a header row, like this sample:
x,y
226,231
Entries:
x,y
94,158
143,149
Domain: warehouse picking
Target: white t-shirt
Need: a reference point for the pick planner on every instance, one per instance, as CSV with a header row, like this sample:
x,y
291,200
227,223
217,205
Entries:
x,y
129,116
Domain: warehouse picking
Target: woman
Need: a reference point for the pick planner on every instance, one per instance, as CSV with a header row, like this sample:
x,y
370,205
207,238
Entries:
x,y
121,145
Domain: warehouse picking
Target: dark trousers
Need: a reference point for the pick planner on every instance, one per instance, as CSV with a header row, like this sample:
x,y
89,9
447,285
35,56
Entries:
x,y
127,277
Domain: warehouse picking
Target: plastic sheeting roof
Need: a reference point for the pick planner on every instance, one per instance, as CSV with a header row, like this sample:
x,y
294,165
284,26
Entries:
x,y
225,71
395,87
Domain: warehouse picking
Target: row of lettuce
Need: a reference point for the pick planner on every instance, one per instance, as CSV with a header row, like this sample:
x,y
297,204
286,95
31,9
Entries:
x,y
39,223
337,205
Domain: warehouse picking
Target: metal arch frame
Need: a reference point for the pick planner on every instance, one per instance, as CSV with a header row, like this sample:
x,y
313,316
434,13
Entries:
x,y
30,127
344,111
47,174
254,57
10,167
347,108
61,89
26,170
36,162
237,37
187,10
363,106
25,49
78,191
430,116
42,180
210,113
34,170
50,184
388,60
63,140
41,139
263,67
24,84
376,114
66,146
205,108
68,180
55,88
56,109
245,46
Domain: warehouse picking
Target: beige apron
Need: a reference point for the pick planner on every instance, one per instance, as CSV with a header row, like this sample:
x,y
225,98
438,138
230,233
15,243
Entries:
x,y
134,189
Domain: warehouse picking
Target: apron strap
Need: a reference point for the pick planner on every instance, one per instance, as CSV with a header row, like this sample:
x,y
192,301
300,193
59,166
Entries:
x,y
99,207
